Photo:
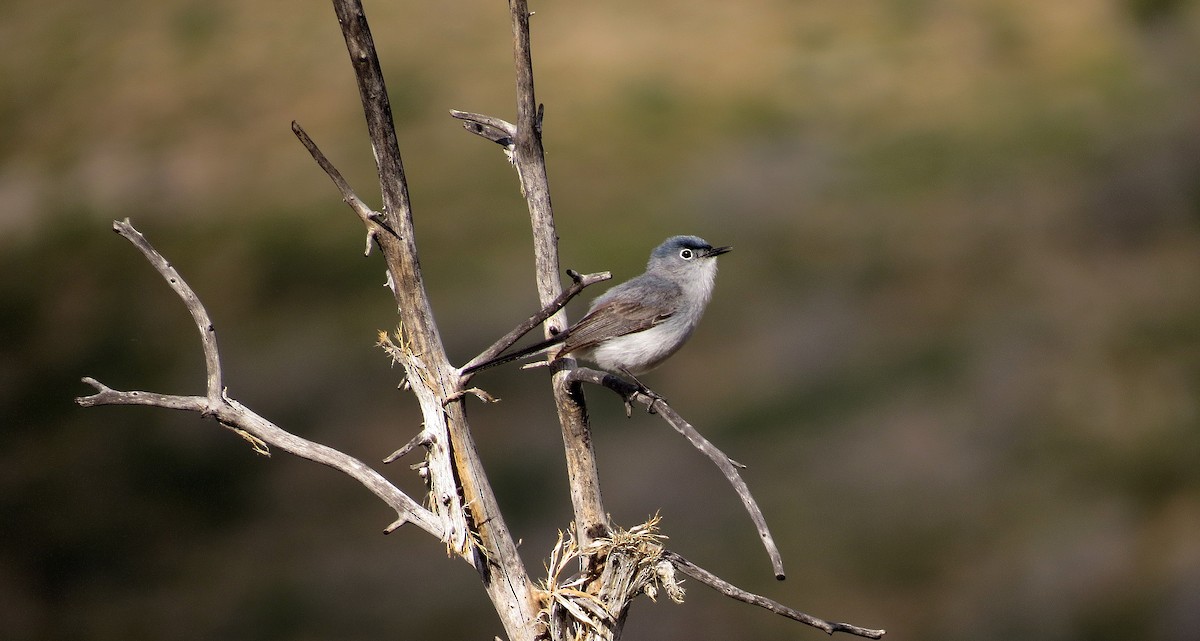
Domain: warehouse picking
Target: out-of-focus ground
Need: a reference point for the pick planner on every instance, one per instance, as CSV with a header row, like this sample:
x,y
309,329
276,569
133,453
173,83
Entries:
x,y
957,342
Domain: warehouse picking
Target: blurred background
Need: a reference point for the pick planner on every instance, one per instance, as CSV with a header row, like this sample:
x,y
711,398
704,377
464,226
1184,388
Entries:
x,y
957,342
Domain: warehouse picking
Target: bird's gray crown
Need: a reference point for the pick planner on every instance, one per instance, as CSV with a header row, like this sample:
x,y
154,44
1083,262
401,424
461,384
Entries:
x,y
671,246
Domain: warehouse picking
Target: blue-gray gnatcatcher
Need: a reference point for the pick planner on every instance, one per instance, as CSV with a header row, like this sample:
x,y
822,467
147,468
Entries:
x,y
635,326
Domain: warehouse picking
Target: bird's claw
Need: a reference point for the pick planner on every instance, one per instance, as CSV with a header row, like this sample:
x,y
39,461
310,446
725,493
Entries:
x,y
654,398
631,396
644,391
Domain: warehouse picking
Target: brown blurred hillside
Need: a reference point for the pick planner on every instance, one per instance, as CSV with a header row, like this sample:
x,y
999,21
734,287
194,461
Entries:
x,y
957,342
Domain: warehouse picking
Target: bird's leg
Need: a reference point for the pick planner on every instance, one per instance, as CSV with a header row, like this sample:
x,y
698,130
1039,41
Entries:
x,y
642,389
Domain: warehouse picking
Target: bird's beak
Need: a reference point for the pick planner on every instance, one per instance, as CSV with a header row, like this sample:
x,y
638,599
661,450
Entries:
x,y
716,251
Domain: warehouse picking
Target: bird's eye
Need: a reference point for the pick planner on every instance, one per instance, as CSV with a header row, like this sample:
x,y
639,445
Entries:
x,y
686,254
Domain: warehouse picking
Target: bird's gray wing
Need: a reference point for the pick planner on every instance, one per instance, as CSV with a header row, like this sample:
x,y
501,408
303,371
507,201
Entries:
x,y
630,307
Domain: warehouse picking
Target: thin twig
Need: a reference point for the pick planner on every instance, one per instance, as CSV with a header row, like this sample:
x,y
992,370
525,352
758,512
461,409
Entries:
x,y
348,196
369,217
580,281
728,589
728,466
208,333
422,438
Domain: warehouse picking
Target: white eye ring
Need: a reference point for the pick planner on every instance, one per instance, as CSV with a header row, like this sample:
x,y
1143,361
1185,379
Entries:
x,y
686,254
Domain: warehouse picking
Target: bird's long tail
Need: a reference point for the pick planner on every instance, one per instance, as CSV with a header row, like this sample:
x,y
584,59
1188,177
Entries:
x,y
521,353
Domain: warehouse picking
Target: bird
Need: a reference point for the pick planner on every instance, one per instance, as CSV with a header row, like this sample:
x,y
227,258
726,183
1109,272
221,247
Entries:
x,y
636,325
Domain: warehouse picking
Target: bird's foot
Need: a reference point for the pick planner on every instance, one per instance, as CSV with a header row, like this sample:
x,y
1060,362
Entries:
x,y
643,390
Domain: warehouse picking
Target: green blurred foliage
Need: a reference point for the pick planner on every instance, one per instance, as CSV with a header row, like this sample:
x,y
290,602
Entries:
x,y
958,341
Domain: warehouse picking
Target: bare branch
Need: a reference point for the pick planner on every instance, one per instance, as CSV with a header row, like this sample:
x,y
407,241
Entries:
x,y
522,143
234,415
580,281
377,109
369,217
466,491
106,395
728,589
208,333
237,417
591,519
348,196
728,466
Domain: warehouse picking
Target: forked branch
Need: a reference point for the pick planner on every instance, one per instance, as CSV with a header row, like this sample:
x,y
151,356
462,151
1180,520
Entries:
x,y
631,392
231,414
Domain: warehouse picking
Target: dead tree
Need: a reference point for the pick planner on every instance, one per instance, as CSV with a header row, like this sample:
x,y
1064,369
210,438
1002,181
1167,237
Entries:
x,y
598,568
